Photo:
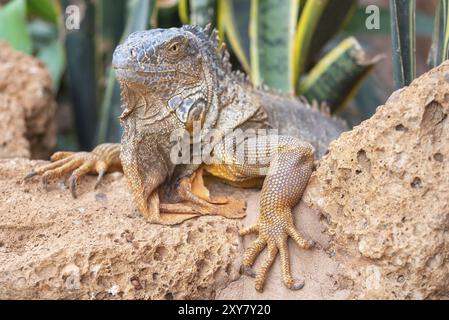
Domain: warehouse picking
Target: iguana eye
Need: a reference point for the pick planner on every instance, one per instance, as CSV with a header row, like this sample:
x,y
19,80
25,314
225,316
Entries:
x,y
174,47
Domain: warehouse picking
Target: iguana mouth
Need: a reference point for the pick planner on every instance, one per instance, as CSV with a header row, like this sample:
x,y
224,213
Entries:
x,y
146,69
127,74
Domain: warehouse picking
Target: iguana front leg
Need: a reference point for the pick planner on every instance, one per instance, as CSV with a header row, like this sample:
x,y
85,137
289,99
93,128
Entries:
x,y
290,163
144,187
104,158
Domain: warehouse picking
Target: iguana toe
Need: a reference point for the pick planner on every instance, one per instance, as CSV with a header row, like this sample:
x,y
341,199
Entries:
x,y
30,175
298,284
79,164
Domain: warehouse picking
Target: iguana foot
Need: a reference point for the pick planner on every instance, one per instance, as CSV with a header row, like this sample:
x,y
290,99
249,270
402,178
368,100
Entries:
x,y
176,213
199,191
273,234
194,193
156,212
102,159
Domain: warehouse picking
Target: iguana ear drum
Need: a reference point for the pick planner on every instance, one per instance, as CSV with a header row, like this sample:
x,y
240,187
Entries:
x,y
196,114
189,110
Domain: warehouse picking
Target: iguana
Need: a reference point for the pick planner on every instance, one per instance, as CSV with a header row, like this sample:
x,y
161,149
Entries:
x,y
173,79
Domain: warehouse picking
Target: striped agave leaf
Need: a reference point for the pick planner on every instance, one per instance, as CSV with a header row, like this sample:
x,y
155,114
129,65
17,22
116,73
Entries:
x,y
440,44
403,35
336,78
272,31
202,12
307,26
138,17
231,28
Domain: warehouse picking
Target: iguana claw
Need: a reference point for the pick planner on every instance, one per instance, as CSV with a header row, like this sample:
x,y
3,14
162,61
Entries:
x,y
100,160
273,235
30,175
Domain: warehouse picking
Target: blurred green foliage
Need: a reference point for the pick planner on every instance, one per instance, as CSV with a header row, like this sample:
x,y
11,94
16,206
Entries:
x,y
45,9
404,23
295,46
31,26
440,44
139,14
403,35
13,26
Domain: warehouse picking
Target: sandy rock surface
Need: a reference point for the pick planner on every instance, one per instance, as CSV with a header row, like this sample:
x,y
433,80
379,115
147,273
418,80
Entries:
x,y
26,80
99,247
379,212
13,141
384,190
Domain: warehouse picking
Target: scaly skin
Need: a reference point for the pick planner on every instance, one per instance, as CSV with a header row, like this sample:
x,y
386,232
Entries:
x,y
287,163
174,78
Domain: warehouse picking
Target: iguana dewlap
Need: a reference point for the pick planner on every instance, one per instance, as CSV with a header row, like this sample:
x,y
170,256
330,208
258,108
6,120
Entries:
x,y
174,79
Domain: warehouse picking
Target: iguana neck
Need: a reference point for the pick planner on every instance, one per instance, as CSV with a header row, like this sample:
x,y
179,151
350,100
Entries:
x,y
239,103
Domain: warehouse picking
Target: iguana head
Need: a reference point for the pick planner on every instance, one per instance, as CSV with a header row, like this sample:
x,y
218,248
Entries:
x,y
162,60
177,66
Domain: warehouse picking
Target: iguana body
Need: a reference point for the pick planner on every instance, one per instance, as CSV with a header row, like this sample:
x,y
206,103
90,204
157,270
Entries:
x,y
174,79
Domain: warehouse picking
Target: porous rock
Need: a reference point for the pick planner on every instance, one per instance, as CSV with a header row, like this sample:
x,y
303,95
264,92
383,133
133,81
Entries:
x,y
13,142
384,191
26,80
99,247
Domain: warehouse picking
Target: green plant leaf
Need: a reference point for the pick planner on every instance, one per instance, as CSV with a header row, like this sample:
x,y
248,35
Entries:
x,y
272,29
440,42
48,48
13,26
336,78
81,64
53,55
183,11
403,35
44,9
138,16
110,23
139,13
202,12
335,15
356,25
307,26
230,27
